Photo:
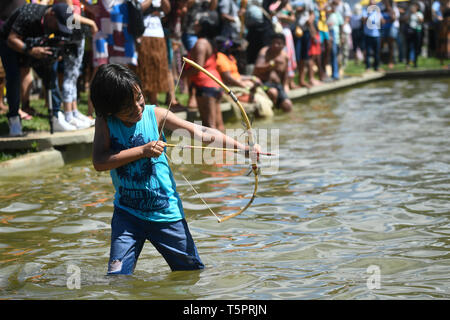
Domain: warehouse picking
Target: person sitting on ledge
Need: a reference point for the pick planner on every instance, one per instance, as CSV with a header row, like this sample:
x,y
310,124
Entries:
x,y
227,65
248,89
272,68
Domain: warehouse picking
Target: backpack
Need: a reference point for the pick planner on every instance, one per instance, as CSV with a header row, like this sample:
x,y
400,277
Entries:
x,y
136,25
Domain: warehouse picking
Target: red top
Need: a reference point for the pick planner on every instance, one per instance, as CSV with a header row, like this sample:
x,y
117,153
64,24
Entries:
x,y
202,80
76,6
75,3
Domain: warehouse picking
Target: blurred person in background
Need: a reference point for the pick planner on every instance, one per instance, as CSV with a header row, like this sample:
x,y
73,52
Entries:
x,y
415,21
204,53
230,23
258,20
153,65
335,23
372,24
344,9
287,19
191,12
71,66
304,13
357,33
272,68
388,30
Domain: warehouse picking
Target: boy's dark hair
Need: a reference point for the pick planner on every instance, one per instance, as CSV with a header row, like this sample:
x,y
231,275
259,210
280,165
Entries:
x,y
278,36
113,89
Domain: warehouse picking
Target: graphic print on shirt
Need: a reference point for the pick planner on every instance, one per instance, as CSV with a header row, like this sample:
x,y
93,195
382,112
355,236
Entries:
x,y
145,197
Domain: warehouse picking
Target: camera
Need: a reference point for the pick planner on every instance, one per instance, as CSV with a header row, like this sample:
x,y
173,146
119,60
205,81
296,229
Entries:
x,y
60,46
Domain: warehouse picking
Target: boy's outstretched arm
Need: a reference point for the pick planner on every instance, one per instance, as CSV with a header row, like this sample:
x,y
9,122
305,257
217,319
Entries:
x,y
105,159
198,132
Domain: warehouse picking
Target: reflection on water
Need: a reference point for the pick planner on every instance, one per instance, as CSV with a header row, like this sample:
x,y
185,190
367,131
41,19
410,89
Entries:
x,y
363,181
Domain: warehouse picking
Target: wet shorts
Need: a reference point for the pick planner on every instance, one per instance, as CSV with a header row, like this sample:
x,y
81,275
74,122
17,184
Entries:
x,y
172,240
282,95
208,92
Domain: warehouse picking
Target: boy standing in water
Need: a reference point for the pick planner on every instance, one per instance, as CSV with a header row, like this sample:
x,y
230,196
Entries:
x,y
146,204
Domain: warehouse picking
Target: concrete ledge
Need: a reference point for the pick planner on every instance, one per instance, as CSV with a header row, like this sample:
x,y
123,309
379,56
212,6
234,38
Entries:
x,y
45,140
336,85
31,163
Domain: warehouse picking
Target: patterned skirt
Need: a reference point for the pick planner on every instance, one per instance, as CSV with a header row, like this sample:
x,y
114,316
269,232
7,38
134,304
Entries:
x,y
153,68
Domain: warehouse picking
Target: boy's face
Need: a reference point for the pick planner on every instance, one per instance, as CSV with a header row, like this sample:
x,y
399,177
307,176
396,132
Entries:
x,y
277,45
133,113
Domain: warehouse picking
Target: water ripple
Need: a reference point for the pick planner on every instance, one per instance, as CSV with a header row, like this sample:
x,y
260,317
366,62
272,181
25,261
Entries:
x,y
362,181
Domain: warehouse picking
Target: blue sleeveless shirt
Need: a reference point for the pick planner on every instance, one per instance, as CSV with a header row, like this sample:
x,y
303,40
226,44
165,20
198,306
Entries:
x,y
146,187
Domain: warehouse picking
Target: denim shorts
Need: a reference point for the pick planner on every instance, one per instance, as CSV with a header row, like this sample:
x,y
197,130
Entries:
x,y
282,95
172,240
302,46
208,92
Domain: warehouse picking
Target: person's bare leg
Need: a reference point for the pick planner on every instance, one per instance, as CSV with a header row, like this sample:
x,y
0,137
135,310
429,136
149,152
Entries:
x,y
208,112
301,73
171,97
273,95
391,52
312,79
219,119
25,92
192,101
319,67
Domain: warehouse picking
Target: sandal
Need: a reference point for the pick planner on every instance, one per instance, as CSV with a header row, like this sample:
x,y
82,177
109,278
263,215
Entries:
x,y
30,110
177,107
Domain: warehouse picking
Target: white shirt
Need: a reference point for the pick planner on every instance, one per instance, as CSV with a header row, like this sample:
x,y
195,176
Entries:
x,y
303,17
153,25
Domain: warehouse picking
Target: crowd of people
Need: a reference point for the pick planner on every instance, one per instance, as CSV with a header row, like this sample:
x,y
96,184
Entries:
x,y
266,47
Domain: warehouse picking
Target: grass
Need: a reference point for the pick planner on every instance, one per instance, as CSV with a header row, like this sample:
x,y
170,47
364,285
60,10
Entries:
x,y
6,155
354,69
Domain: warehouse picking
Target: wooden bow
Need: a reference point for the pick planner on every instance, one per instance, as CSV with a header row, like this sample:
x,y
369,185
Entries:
x,y
251,141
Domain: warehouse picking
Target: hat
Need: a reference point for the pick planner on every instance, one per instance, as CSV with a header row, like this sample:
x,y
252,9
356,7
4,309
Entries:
x,y
63,13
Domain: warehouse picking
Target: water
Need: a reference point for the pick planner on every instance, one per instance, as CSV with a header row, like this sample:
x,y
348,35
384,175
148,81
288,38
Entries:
x,y
362,191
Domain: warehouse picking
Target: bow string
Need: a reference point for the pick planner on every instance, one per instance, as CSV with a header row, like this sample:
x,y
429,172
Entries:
x,y
250,137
